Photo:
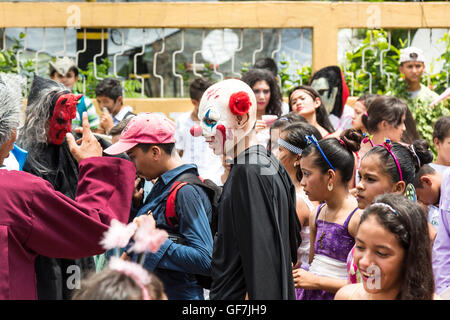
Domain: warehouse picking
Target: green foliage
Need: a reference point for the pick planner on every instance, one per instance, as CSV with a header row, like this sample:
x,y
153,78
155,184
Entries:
x,y
388,80
9,64
131,87
301,75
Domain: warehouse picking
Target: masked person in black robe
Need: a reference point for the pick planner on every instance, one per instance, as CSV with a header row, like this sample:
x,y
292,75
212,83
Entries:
x,y
50,110
258,229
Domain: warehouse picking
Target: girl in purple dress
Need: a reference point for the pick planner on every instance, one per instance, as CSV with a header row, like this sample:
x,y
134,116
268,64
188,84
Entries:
x,y
327,168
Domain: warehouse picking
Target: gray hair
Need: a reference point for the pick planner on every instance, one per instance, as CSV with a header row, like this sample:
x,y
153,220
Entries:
x,y
11,104
34,134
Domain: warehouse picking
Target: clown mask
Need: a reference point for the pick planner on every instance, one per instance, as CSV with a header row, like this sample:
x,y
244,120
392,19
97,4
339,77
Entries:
x,y
61,121
227,114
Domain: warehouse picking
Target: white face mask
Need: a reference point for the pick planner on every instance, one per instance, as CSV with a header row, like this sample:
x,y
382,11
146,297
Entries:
x,y
322,86
227,108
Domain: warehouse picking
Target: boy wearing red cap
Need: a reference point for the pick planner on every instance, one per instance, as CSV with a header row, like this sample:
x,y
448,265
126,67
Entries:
x,y
149,141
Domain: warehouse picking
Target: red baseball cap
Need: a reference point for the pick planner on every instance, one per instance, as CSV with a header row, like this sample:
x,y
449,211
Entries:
x,y
144,128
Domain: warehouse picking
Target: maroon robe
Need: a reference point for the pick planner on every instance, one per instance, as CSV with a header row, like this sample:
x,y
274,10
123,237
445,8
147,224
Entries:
x,y
36,219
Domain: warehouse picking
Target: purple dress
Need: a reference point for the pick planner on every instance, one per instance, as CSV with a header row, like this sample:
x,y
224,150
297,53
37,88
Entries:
x,y
333,241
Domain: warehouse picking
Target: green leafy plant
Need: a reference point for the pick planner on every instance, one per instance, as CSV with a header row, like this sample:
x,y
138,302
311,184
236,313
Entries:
x,y
387,80
10,64
132,87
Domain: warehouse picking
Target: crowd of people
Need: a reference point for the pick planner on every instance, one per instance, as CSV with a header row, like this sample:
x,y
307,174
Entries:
x,y
254,197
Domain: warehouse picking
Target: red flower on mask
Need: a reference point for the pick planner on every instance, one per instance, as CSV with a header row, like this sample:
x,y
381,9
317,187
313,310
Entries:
x,y
61,121
239,103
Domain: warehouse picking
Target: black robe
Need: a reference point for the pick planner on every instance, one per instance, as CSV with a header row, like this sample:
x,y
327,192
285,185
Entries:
x,y
258,231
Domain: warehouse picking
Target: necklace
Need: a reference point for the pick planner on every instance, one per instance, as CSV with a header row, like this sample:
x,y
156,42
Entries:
x,y
323,229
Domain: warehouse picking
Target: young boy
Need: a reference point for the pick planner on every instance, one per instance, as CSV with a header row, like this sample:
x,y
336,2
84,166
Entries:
x,y
64,71
428,187
412,67
110,101
195,149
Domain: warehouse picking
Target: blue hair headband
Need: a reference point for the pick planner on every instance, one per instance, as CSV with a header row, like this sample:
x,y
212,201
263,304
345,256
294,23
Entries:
x,y
289,146
313,140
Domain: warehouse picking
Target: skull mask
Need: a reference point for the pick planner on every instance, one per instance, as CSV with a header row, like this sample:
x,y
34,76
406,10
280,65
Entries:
x,y
227,114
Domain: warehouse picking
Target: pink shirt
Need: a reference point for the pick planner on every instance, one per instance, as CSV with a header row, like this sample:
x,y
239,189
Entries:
x,y
36,219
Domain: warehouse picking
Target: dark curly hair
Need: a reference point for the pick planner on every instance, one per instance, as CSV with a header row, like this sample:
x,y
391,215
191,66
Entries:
x,y
410,227
254,75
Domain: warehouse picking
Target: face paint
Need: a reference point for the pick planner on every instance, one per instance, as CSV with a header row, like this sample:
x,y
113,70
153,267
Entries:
x,y
61,121
227,113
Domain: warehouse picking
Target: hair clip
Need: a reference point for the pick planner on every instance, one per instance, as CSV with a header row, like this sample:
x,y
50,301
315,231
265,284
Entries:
x,y
415,153
342,142
289,146
312,139
385,205
388,146
368,138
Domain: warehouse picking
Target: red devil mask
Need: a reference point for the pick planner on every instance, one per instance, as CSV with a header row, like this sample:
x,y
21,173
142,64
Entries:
x,y
63,113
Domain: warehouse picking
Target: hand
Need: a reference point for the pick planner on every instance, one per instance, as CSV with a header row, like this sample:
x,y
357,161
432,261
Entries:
x,y
145,218
106,120
260,125
137,194
86,147
125,257
304,279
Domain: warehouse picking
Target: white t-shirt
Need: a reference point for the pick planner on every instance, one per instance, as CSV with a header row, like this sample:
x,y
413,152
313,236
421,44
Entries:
x,y
196,150
440,168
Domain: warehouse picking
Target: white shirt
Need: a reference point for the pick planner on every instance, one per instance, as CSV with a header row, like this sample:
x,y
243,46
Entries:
x,y
196,150
345,121
440,168
121,114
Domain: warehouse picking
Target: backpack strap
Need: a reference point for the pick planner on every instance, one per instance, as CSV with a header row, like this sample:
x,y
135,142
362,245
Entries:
x,y
171,214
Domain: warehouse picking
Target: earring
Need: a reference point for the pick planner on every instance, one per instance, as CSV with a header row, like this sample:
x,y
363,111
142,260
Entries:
x,y
295,164
330,187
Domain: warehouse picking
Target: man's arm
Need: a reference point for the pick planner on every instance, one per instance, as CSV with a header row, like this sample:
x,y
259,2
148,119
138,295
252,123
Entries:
x,y
194,256
66,228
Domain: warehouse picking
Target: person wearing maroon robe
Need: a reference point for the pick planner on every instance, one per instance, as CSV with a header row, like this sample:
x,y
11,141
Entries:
x,y
37,220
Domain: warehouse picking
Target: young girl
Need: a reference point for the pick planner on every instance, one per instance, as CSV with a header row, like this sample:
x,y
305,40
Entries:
x,y
327,168
388,168
290,147
385,118
268,99
392,252
121,280
305,101
360,107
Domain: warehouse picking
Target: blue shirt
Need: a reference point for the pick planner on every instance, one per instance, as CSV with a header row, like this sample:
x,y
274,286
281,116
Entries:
x,y
175,263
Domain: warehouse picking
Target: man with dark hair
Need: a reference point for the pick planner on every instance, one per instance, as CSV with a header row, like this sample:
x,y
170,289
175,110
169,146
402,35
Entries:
x,y
149,141
110,101
195,149
329,82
